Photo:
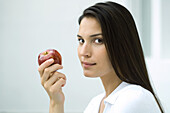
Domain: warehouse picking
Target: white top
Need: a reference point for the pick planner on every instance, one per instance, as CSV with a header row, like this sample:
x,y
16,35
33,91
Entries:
x,y
126,98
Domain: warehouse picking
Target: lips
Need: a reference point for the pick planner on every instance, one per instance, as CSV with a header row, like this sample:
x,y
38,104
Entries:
x,y
88,64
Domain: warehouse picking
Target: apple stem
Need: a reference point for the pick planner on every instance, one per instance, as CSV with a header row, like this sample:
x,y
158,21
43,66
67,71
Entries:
x,y
46,53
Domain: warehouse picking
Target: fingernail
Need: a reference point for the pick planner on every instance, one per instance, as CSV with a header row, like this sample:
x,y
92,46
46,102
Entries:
x,y
50,60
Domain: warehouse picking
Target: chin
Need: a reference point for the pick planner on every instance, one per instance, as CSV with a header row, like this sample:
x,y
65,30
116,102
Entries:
x,y
90,75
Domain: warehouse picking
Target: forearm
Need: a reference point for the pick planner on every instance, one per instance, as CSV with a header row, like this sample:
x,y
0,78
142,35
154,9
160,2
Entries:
x,y
54,108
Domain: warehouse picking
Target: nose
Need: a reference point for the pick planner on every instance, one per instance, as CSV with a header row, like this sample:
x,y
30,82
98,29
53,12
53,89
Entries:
x,y
85,50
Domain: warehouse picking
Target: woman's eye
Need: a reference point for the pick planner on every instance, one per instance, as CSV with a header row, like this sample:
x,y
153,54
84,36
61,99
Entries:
x,y
81,41
98,41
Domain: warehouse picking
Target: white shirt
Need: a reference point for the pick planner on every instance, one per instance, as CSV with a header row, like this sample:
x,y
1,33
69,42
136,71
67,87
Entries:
x,y
126,98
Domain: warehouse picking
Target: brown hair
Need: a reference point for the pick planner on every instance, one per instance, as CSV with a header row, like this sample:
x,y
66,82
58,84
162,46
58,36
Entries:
x,y
122,43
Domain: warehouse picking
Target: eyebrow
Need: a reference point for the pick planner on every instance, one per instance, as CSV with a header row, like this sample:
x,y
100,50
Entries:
x,y
94,35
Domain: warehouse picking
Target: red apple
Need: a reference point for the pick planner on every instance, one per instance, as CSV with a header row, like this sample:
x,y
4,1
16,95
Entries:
x,y
48,54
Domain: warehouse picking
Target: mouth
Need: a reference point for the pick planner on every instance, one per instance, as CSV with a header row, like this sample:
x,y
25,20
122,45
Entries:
x,y
88,64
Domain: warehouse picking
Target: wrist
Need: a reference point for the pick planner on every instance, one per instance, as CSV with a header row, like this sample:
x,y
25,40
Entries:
x,y
56,108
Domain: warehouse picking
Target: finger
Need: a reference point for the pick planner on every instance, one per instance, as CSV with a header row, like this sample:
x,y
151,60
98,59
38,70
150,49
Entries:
x,y
48,72
57,86
59,75
55,77
44,65
55,67
52,68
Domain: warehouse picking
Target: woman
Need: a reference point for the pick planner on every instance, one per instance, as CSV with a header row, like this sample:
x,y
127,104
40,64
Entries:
x,y
109,48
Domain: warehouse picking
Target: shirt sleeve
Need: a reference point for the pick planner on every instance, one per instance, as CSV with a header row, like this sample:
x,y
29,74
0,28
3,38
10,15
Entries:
x,y
141,101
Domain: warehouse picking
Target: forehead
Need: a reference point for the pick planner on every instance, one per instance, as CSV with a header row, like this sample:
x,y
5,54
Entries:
x,y
88,26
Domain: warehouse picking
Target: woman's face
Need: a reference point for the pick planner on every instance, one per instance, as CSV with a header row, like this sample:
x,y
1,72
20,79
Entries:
x,y
91,49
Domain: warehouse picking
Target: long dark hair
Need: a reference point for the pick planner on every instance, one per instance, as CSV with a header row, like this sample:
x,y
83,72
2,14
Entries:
x,y
122,43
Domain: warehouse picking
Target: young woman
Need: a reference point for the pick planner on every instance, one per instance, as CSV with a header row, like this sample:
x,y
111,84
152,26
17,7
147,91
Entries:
x,y
109,48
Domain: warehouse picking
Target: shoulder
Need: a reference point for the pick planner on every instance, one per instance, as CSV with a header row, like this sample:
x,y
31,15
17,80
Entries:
x,y
135,92
135,98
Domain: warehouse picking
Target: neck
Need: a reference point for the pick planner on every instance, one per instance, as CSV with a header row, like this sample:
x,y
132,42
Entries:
x,y
110,83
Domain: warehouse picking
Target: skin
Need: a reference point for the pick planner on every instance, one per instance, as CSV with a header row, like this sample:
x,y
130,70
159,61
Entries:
x,y
53,81
91,49
94,60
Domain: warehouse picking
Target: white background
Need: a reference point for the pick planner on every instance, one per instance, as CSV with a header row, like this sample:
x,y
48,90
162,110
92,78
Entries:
x,y
28,27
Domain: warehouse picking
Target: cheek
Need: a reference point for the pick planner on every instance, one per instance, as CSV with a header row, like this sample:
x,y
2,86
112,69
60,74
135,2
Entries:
x,y
102,53
105,61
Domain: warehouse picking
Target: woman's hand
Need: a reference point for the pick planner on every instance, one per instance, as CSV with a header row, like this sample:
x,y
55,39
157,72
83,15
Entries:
x,y
53,82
